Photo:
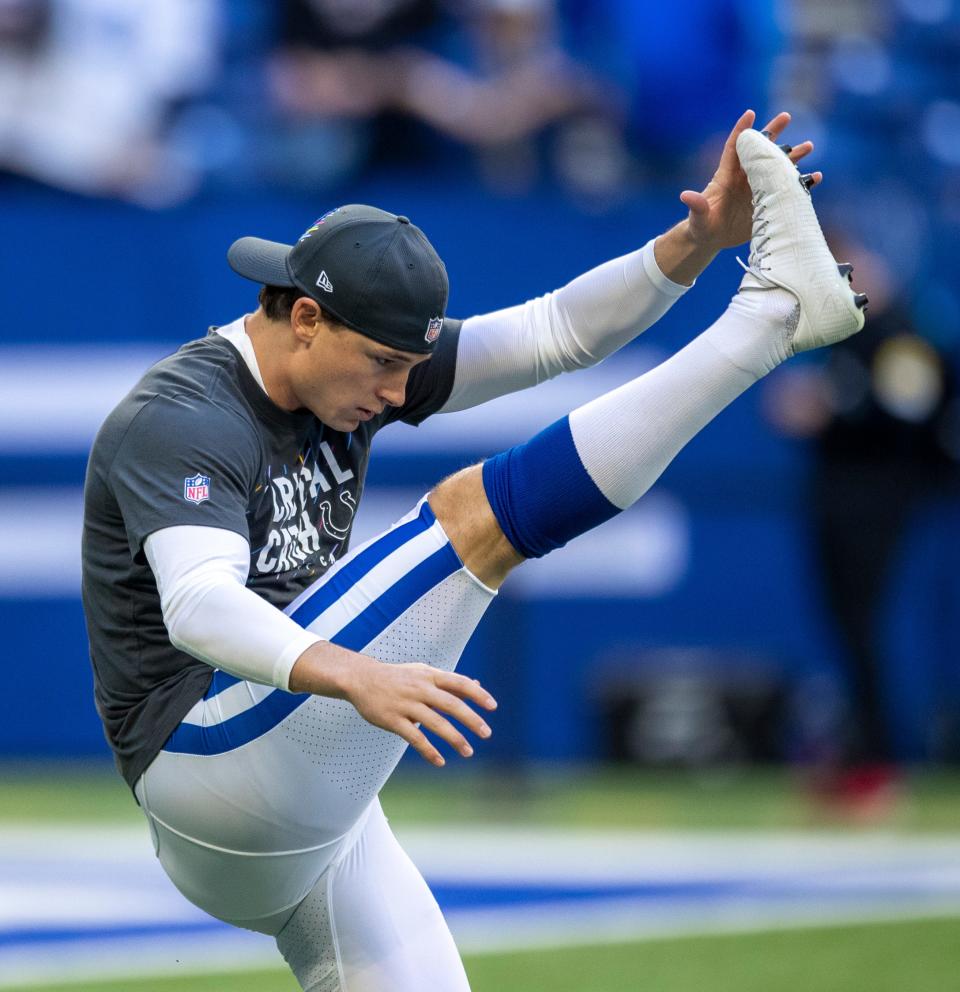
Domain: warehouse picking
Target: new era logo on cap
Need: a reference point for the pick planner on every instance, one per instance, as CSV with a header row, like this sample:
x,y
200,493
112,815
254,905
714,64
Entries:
x,y
323,281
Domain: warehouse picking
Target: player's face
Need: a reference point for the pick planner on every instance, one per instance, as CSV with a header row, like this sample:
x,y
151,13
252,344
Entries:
x,y
345,378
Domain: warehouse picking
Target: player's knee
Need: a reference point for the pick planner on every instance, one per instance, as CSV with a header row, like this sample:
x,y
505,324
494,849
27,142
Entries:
x,y
523,503
541,493
461,505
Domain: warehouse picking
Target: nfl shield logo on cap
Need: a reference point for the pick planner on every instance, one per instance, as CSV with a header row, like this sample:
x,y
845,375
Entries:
x,y
433,329
196,488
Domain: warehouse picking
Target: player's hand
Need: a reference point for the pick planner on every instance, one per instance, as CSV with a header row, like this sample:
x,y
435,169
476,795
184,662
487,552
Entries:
x,y
396,697
721,216
399,697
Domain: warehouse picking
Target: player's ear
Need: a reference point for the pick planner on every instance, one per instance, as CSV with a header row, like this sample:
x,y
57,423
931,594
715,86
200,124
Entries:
x,y
306,319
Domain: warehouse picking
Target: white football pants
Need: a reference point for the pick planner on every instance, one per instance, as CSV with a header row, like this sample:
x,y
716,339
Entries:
x,y
263,805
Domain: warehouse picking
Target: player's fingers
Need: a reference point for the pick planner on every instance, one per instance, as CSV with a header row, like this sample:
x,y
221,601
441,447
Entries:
x,y
465,688
420,743
801,151
695,202
729,161
447,703
444,729
746,120
777,124
730,146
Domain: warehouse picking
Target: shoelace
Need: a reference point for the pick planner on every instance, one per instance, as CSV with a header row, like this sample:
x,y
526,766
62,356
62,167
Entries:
x,y
760,237
754,264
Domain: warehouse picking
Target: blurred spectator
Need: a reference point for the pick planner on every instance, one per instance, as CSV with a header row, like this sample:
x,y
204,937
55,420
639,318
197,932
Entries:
x,y
23,25
513,81
489,76
883,413
340,59
87,86
334,79
688,68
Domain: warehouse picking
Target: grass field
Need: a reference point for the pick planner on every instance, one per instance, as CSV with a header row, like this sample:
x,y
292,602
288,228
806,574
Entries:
x,y
908,956
921,956
611,798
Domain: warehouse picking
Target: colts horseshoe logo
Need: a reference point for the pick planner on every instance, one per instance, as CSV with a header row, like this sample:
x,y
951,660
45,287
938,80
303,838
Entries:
x,y
326,516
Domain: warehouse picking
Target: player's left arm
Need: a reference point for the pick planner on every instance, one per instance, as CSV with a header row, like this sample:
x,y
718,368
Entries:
x,y
599,312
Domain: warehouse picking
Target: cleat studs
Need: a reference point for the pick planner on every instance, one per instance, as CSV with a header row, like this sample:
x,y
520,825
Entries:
x,y
807,180
861,301
846,269
786,149
767,134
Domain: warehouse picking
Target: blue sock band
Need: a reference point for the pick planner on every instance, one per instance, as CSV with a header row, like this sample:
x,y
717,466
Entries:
x,y
542,495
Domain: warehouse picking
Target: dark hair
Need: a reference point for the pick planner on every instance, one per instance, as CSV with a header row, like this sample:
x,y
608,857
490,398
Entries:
x,y
278,301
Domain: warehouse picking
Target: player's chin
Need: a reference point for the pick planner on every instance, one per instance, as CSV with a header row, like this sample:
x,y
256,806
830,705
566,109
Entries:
x,y
345,423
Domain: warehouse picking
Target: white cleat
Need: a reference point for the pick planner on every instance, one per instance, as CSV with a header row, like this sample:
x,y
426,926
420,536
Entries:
x,y
788,248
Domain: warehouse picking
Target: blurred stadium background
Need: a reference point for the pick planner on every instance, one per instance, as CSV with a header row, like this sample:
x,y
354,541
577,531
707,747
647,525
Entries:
x,y
738,705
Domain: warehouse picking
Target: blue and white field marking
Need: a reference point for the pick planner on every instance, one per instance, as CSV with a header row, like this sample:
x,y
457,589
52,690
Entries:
x,y
85,902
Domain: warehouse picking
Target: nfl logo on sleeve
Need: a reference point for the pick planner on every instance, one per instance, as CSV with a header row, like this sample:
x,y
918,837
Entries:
x,y
196,488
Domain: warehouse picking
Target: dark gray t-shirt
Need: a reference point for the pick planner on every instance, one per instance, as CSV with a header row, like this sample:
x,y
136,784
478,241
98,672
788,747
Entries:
x,y
198,442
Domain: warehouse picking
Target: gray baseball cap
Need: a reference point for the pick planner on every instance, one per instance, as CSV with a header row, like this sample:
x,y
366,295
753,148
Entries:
x,y
372,270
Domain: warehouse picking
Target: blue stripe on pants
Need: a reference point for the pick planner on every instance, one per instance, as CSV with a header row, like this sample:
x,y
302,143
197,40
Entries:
x,y
365,562
351,573
369,624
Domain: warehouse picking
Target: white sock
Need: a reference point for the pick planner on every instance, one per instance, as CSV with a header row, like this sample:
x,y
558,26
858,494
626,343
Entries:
x,y
626,438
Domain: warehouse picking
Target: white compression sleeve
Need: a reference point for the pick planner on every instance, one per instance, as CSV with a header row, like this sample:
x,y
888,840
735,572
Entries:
x,y
210,613
571,328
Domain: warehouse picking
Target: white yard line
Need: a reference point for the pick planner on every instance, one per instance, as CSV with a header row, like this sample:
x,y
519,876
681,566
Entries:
x,y
55,880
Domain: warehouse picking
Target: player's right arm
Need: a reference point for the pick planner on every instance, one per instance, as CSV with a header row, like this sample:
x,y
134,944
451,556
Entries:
x,y
572,328
210,613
